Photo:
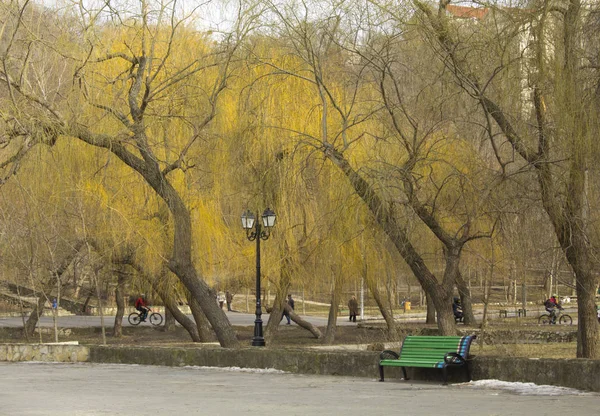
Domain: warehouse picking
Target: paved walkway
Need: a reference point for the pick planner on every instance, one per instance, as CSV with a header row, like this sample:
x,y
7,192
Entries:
x,y
28,389
79,321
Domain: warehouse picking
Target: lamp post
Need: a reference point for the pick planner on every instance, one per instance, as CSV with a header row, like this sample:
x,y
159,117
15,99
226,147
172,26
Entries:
x,y
254,231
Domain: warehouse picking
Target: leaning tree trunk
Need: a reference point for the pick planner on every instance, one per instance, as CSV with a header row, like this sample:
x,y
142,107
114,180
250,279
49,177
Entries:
x,y
184,321
38,310
398,234
202,324
302,323
465,300
180,262
385,310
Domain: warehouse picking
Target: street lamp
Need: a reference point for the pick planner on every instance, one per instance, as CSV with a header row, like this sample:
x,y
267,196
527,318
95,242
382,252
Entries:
x,y
254,231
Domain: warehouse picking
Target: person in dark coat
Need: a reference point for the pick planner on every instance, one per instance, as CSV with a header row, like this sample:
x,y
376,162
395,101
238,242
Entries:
x,y
290,302
229,300
353,308
457,309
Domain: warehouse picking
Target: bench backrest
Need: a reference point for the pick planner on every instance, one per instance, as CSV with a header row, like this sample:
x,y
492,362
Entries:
x,y
435,347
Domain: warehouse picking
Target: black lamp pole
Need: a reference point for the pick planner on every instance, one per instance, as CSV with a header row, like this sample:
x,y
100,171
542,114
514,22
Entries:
x,y
254,231
258,340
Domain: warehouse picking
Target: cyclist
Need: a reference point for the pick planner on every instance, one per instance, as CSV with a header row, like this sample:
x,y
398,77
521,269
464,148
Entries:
x,y
140,305
551,306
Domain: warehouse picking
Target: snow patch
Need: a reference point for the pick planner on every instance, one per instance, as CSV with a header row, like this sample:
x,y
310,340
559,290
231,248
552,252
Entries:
x,y
526,389
237,369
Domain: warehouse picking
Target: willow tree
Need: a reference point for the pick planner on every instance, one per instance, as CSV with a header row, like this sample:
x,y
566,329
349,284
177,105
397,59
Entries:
x,y
110,78
399,174
550,122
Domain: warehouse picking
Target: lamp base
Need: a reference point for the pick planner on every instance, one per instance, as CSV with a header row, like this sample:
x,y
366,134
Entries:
x,y
258,342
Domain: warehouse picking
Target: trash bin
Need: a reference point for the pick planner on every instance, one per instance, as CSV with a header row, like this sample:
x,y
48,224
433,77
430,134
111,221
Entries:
x,y
406,306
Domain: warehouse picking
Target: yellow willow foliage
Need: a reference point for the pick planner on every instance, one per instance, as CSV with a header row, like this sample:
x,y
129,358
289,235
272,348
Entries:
x,y
178,84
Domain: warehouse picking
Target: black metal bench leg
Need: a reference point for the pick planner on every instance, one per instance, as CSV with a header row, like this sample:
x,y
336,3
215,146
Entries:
x,y
404,372
468,372
380,373
445,370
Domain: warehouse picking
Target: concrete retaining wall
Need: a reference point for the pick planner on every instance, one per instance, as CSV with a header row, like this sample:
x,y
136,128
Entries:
x,y
44,352
345,363
575,373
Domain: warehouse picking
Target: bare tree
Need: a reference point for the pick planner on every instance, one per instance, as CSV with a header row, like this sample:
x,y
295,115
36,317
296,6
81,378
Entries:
x,y
555,141
148,73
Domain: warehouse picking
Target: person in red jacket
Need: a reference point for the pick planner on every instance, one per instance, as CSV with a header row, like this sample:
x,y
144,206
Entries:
x,y
140,305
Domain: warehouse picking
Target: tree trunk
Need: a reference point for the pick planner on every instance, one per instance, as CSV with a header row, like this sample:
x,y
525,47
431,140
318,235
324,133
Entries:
x,y
202,324
465,300
170,322
118,326
282,289
568,135
385,310
38,310
180,262
275,315
430,317
302,323
181,265
189,325
334,305
588,330
398,234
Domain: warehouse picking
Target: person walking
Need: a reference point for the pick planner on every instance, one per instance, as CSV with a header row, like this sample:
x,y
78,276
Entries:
x,y
228,299
353,308
221,299
290,302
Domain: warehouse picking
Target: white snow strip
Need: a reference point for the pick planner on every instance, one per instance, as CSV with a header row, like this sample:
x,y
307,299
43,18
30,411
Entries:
x,y
526,389
238,369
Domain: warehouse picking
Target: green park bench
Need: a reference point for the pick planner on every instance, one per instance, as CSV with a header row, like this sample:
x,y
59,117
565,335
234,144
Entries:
x,y
429,352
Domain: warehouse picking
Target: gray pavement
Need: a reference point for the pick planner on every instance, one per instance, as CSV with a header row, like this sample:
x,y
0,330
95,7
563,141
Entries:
x,y
29,389
77,321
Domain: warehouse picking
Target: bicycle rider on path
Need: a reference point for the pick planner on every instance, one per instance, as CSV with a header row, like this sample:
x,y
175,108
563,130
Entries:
x,y
551,306
140,305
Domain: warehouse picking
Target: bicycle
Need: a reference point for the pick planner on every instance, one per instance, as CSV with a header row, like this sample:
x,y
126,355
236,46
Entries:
x,y
561,318
155,318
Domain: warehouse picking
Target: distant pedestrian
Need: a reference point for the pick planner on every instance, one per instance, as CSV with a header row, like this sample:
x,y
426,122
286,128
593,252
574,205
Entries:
x,y
228,299
286,314
353,308
221,299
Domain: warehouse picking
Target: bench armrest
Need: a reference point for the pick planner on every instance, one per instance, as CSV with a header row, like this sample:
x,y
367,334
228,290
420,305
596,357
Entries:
x,y
388,355
454,358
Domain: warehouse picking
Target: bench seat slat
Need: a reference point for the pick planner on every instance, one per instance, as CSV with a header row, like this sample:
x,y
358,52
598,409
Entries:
x,y
413,363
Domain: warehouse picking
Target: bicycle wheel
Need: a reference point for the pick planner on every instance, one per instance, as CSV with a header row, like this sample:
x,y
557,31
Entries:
x,y
134,318
544,319
565,320
156,318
